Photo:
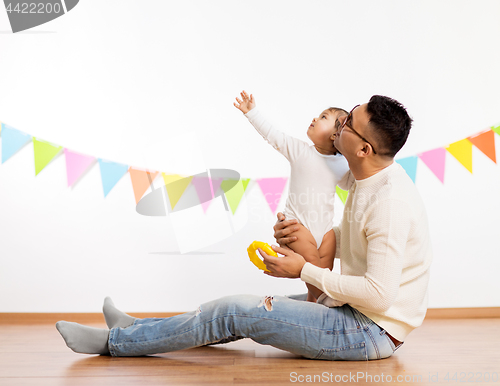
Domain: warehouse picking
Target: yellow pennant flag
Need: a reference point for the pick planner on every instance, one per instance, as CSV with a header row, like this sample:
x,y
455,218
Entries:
x,y
462,151
175,185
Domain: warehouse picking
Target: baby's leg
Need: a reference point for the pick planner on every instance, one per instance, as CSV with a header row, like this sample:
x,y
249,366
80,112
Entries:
x,y
306,246
327,250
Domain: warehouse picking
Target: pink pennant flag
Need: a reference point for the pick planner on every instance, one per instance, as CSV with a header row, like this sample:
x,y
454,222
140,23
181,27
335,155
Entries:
x,y
76,165
435,160
216,182
204,190
272,189
207,189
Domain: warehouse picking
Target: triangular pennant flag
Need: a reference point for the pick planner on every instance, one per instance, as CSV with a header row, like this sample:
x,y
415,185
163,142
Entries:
x,y
342,194
409,164
12,141
76,165
462,151
496,129
245,183
272,189
204,190
485,142
141,181
1,128
175,185
435,160
215,186
216,183
233,192
44,153
111,173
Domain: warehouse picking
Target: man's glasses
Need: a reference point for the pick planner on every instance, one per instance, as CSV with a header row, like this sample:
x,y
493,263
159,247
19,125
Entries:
x,y
344,124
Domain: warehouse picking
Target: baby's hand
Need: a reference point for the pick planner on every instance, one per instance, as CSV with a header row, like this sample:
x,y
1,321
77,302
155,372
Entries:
x,y
245,105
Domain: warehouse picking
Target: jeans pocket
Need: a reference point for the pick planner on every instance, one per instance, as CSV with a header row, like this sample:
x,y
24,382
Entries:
x,y
353,352
391,343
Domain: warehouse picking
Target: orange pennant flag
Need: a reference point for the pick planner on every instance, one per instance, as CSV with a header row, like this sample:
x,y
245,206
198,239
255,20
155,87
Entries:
x,y
141,181
485,141
462,151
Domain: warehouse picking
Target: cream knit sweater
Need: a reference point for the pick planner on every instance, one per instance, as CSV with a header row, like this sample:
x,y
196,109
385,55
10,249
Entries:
x,y
385,253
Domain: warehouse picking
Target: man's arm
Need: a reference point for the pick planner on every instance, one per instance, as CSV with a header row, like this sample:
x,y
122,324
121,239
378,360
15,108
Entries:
x,y
387,229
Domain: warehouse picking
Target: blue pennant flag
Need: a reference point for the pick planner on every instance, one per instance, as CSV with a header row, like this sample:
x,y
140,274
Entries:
x,y
111,172
410,165
12,141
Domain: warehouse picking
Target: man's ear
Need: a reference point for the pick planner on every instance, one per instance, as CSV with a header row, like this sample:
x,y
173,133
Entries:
x,y
364,151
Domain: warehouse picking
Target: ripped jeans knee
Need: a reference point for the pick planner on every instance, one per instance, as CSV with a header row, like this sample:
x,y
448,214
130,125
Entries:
x,y
267,303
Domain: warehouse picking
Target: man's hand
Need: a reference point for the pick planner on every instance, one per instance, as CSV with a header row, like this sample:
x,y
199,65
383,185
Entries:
x,y
289,265
283,228
245,105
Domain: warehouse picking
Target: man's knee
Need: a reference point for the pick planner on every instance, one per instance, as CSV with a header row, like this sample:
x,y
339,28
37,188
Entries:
x,y
232,304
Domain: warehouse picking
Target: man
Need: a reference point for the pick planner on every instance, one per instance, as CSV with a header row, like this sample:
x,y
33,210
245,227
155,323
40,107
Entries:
x,y
385,253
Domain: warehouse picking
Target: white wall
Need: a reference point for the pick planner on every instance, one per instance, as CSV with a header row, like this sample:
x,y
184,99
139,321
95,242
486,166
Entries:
x,y
151,84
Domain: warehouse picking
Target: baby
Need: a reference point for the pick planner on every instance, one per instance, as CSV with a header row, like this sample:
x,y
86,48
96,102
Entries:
x,y
315,172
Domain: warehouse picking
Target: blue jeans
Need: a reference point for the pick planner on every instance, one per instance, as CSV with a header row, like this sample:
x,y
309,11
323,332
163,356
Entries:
x,y
303,328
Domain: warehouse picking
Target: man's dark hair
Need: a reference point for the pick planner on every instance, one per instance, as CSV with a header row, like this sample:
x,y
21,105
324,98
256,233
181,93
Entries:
x,y
390,124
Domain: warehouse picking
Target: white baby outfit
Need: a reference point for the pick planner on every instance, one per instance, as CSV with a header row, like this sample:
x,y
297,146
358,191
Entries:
x,y
313,178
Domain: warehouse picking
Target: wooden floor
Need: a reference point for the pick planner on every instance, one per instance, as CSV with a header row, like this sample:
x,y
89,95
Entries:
x,y
465,350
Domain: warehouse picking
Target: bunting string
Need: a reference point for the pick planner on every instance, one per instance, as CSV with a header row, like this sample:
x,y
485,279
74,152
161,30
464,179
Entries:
x,y
208,188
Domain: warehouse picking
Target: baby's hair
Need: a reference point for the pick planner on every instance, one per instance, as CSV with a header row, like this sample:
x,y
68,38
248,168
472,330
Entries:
x,y
337,109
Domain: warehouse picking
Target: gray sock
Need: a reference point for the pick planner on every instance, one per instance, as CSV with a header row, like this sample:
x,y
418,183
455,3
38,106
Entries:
x,y
84,339
114,317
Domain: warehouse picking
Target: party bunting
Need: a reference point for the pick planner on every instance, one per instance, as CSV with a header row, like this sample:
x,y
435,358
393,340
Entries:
x,y
141,181
462,151
76,165
409,164
175,185
435,160
44,153
12,141
111,173
272,188
203,189
206,188
234,193
215,186
342,194
485,142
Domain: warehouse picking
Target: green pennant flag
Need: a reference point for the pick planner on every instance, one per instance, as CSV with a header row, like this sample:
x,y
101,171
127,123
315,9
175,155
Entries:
x,y
234,194
342,194
44,153
496,129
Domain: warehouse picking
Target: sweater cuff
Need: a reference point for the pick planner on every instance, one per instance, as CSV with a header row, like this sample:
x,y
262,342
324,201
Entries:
x,y
312,274
251,113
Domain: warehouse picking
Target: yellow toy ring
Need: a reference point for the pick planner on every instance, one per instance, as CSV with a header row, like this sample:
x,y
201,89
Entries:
x,y
255,259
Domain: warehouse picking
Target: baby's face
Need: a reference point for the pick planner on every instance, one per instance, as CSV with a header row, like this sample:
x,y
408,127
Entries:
x,y
323,127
